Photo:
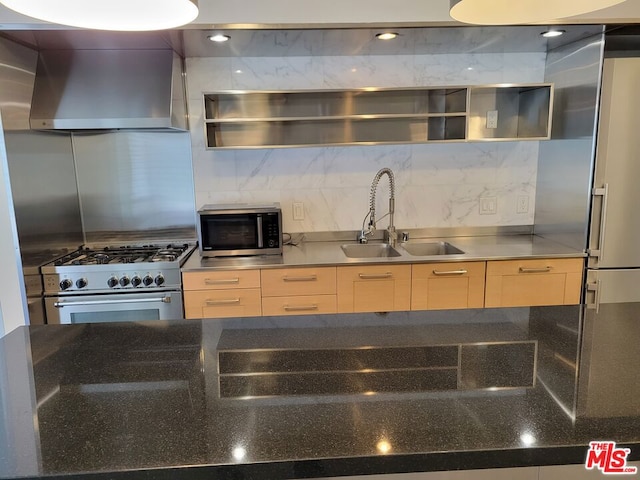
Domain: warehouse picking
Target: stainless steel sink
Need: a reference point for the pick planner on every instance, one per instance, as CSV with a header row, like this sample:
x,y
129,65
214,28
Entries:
x,y
369,250
428,249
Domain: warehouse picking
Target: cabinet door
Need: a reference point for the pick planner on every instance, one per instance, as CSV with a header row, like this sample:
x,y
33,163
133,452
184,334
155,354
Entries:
x,y
436,286
521,283
221,280
374,288
299,281
241,302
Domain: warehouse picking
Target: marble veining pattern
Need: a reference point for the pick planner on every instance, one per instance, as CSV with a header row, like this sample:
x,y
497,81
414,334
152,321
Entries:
x,y
437,185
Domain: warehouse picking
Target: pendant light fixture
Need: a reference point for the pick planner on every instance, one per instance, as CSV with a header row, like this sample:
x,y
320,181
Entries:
x,y
124,15
513,12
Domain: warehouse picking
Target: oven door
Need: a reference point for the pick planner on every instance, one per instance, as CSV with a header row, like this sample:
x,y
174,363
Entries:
x,y
124,307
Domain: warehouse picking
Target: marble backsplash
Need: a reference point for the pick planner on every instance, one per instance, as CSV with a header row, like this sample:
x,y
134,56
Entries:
x,y
437,185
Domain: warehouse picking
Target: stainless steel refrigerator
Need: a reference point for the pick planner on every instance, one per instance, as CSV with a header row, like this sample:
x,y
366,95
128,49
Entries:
x,y
614,240
609,366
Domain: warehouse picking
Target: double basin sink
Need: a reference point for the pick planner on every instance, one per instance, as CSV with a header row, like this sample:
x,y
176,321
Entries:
x,y
383,250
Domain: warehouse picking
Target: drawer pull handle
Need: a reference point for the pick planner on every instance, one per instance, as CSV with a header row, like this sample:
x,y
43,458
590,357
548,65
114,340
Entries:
x,y
231,301
300,308
222,281
450,272
375,276
308,278
535,270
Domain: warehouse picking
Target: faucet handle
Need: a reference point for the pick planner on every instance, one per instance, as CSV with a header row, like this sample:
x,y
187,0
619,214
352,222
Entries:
x,y
362,237
405,237
391,236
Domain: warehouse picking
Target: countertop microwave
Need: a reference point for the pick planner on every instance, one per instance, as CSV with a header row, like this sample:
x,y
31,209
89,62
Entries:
x,y
240,229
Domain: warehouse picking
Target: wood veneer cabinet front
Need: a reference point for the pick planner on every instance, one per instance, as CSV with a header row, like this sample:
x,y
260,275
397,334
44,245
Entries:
x,y
522,283
438,286
220,294
374,288
299,291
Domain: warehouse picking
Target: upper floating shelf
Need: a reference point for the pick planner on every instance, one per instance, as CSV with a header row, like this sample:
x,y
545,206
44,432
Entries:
x,y
269,119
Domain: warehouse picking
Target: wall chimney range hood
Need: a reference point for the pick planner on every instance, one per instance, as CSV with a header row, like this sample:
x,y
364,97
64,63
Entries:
x,y
109,89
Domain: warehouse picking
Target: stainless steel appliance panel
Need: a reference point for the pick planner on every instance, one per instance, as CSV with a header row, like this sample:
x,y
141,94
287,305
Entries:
x,y
612,286
114,308
565,162
615,223
126,178
609,369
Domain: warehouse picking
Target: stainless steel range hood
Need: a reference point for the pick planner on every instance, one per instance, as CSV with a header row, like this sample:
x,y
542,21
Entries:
x,y
109,89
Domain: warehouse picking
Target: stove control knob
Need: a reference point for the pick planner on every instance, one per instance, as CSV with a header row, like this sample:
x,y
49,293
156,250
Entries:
x,y
124,281
112,282
135,281
147,280
159,280
81,282
65,284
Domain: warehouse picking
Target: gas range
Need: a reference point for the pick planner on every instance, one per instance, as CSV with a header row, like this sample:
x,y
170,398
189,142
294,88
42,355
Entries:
x,y
116,269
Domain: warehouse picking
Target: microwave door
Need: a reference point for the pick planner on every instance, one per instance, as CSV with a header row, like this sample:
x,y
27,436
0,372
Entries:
x,y
232,232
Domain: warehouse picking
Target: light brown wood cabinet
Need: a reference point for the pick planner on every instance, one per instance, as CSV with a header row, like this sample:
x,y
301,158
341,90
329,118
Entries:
x,y
299,291
438,286
219,294
521,283
382,288
374,288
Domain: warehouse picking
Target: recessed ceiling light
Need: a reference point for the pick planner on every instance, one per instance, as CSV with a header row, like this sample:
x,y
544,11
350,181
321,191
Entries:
x,y
510,12
553,33
122,15
219,37
386,36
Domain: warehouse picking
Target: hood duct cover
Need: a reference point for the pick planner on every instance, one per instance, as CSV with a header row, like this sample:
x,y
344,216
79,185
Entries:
x,y
108,89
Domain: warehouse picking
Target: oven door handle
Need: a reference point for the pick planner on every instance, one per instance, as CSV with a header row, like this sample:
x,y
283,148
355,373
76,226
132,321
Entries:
x,y
61,304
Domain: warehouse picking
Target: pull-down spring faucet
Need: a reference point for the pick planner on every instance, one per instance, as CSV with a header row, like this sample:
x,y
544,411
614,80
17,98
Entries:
x,y
391,236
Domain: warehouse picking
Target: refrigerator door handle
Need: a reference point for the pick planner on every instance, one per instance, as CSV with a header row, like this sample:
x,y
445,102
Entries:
x,y
595,287
604,193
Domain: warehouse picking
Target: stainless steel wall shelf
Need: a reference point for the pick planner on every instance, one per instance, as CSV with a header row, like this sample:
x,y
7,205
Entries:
x,y
268,119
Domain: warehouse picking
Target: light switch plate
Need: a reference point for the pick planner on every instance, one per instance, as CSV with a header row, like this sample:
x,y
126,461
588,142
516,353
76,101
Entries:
x,y
488,205
492,119
298,211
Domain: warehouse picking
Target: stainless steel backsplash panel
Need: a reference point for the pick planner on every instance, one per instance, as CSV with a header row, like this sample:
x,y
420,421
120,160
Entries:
x,y
137,183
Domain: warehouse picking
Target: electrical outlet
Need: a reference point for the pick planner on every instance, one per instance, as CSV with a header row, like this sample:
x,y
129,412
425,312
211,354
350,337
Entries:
x,y
523,204
298,211
488,205
492,119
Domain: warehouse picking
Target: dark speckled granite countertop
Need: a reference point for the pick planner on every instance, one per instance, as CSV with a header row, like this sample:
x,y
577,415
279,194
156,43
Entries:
x,y
316,396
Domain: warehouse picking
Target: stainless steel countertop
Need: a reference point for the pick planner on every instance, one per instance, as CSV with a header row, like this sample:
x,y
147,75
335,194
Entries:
x,y
325,253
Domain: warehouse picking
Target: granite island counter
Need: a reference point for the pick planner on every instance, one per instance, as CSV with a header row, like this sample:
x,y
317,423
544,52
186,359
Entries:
x,y
315,396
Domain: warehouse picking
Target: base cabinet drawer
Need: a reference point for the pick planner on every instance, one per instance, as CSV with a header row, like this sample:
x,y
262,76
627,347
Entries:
x,y
299,305
375,288
298,281
437,286
221,280
522,283
244,302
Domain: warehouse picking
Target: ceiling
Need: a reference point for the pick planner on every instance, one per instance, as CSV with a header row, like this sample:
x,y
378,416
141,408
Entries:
x,y
333,13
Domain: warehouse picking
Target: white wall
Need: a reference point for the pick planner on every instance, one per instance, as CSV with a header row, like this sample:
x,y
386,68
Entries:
x,y
12,295
438,185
